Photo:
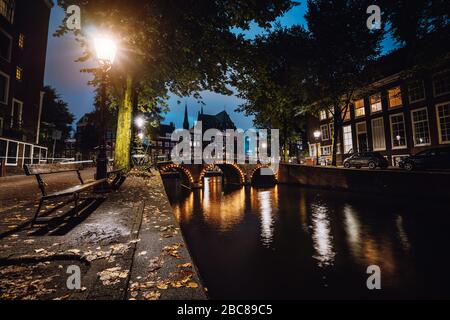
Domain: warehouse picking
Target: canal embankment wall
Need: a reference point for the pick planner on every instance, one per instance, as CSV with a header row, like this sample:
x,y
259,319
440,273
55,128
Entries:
x,y
370,181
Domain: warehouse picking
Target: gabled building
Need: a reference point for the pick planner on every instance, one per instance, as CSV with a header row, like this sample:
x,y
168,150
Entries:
x,y
401,114
23,43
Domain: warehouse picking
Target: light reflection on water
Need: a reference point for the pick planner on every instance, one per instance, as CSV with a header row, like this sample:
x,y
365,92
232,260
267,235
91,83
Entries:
x,y
322,238
292,242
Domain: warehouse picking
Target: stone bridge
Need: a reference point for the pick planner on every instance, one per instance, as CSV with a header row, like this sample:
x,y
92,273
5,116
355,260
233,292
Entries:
x,y
233,173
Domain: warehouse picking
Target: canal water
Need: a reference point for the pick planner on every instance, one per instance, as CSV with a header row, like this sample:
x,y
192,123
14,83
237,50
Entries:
x,y
289,242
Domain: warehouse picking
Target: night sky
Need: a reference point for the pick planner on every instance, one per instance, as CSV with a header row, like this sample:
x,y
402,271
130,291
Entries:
x,y
63,73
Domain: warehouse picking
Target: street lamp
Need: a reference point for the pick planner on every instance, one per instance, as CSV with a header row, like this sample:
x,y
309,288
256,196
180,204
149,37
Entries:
x,y
140,122
106,50
317,134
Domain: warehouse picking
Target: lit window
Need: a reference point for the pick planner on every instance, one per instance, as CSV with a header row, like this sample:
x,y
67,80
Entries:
x,y
323,115
359,108
348,139
19,73
325,132
398,131
331,129
375,103
443,112
346,113
420,127
395,97
378,137
441,83
21,41
416,91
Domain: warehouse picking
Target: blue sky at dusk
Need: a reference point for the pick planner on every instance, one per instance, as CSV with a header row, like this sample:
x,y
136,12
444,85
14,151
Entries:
x,y
63,73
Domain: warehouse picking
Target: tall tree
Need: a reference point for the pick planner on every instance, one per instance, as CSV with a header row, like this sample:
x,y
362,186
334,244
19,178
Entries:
x,y
410,21
178,46
271,78
343,48
55,116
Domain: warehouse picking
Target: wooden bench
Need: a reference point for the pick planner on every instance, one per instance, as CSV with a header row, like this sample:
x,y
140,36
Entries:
x,y
39,170
119,178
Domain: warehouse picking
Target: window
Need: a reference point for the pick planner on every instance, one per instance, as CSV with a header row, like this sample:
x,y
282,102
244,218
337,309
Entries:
x,y
7,9
346,113
416,91
378,136
331,125
21,41
348,140
19,73
312,150
441,83
5,45
326,150
395,97
4,88
16,113
398,132
359,108
12,153
375,103
443,115
167,144
159,143
325,132
421,131
323,115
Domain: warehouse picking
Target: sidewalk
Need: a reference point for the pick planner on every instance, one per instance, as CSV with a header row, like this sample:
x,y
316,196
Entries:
x,y
128,246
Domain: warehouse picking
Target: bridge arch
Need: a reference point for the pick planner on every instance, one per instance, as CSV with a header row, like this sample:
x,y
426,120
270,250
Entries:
x,y
255,177
186,176
232,173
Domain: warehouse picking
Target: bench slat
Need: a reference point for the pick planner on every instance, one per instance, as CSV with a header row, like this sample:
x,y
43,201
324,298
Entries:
x,y
75,189
35,169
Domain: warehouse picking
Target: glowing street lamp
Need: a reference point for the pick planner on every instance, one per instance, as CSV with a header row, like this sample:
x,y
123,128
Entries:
x,y
106,50
317,134
140,122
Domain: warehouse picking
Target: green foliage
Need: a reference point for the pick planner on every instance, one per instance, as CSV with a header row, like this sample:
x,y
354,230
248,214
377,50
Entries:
x,y
270,78
178,46
55,116
411,21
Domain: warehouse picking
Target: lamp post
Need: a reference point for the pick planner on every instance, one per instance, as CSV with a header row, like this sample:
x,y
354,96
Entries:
x,y
106,52
317,135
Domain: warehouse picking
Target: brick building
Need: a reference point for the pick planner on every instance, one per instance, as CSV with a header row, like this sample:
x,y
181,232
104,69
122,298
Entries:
x,y
23,43
398,115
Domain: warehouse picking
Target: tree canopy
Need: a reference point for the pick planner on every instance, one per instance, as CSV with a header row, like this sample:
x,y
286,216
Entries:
x,y
178,46
55,116
270,77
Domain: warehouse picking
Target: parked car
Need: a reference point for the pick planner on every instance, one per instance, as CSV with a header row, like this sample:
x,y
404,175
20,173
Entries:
x,y
372,160
437,158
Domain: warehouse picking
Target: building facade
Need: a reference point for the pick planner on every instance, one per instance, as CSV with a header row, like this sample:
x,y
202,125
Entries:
x,y
398,117
23,44
161,145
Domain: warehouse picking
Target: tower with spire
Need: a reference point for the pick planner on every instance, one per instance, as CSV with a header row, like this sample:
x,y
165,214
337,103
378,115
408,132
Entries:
x,y
186,119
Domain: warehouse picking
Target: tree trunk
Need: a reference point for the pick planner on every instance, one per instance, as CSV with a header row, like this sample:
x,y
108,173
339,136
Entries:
x,y
124,127
336,122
